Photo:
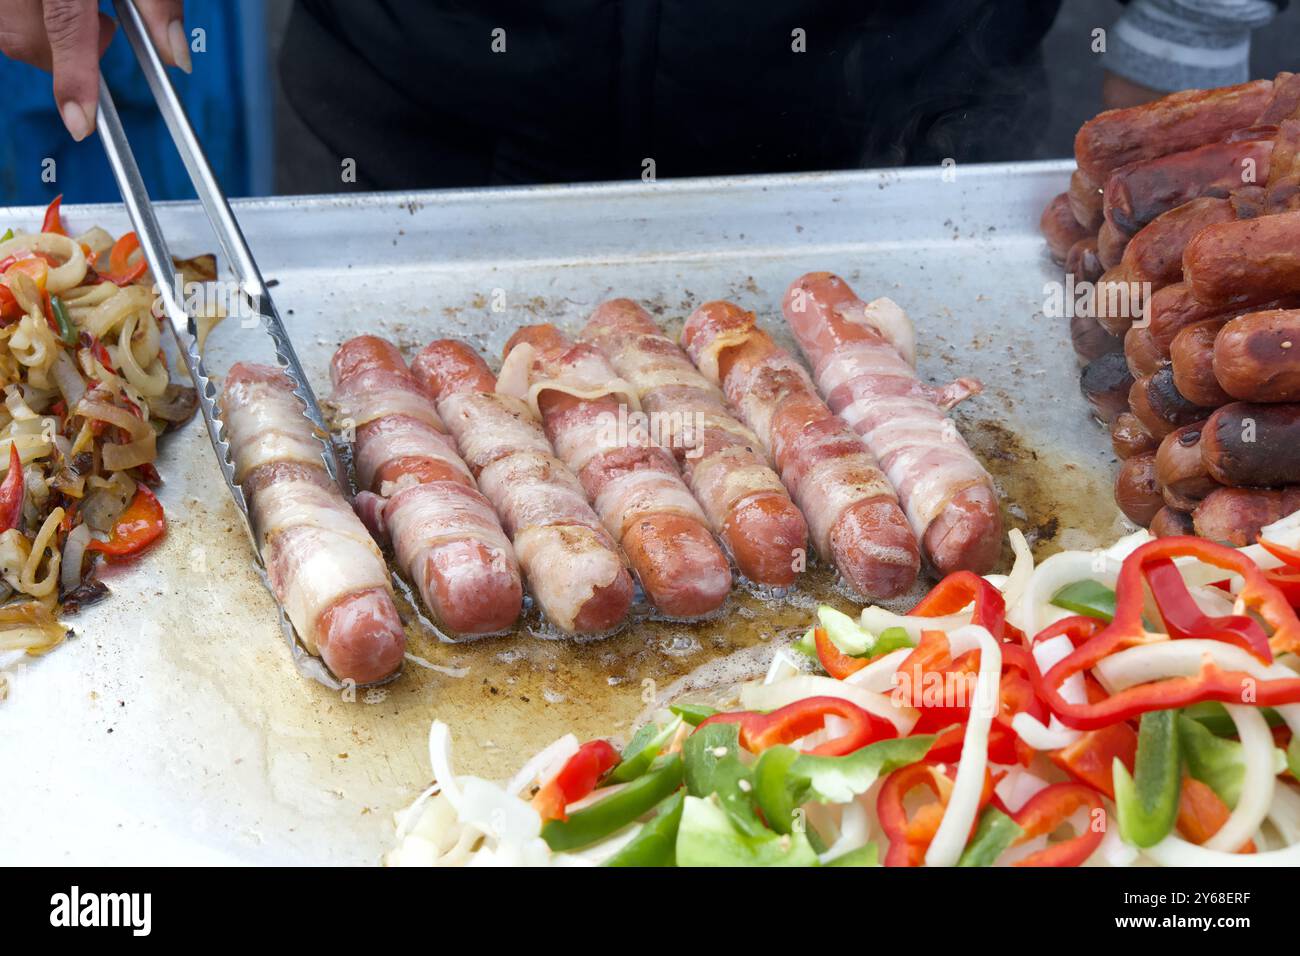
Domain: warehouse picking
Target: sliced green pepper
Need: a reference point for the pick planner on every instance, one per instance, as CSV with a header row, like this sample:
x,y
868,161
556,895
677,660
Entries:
x,y
1147,801
1293,756
1214,761
868,855
9,234
600,819
707,836
67,330
1090,598
656,843
693,714
642,750
1214,716
713,767
996,831
773,788
891,639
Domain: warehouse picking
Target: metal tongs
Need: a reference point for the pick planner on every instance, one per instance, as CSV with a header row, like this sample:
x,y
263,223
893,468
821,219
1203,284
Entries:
x,y
251,286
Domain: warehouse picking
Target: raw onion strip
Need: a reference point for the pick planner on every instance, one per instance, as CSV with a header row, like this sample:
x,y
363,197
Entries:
x,y
1257,782
963,804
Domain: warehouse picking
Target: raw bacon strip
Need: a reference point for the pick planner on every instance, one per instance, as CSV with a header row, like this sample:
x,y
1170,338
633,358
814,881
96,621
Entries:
x,y
948,496
322,565
444,533
635,486
572,566
723,461
852,512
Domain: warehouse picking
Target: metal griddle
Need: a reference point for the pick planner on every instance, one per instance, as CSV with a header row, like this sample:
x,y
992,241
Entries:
x,y
174,728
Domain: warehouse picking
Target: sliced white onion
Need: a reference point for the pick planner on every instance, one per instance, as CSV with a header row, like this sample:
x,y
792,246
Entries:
x,y
877,619
855,832
1284,813
878,676
1175,851
781,668
773,696
1257,782
61,277
1183,658
74,549
1015,789
544,764
1021,571
68,378
963,803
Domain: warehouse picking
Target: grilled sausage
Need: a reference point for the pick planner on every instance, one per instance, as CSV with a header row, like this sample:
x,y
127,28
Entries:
x,y
1129,437
1169,523
320,561
1136,490
1253,445
1105,383
722,460
1060,228
1236,515
1141,351
853,514
1155,254
1085,201
445,535
1256,357
1179,467
1244,262
948,496
1192,359
1158,404
1084,262
572,566
633,483
1090,340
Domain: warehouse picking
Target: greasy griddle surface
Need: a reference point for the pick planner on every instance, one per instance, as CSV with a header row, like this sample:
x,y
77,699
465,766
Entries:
x,y
173,728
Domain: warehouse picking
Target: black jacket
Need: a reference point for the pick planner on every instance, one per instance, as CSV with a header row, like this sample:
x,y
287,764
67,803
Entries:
x,y
590,89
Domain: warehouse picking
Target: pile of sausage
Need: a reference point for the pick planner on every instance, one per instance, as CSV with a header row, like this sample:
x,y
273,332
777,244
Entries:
x,y
1194,199
588,467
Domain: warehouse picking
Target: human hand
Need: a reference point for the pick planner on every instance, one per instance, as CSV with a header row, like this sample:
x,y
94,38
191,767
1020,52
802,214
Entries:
x,y
68,37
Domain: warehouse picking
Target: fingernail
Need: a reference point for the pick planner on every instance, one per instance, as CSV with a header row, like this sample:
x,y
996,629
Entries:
x,y
74,118
180,45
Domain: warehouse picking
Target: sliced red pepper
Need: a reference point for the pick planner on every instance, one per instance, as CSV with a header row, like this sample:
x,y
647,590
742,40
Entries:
x,y
576,779
140,525
120,270
1151,563
959,589
1047,810
1286,578
10,310
12,491
833,660
910,836
52,221
803,717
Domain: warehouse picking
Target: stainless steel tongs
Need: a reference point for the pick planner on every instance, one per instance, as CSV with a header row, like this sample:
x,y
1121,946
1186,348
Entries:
x,y
251,286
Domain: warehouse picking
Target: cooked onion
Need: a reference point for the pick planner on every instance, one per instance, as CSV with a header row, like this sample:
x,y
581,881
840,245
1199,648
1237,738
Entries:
x,y
74,550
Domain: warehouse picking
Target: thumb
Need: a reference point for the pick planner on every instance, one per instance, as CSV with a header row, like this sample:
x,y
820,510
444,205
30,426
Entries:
x,y
73,30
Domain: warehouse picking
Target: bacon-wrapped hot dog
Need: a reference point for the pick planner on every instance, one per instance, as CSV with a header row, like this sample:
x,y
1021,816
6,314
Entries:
x,y
947,494
852,511
445,535
322,564
637,490
723,461
571,564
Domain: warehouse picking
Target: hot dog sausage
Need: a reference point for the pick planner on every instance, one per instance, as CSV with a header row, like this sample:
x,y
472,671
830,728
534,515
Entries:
x,y
1141,351
1192,359
1236,515
1089,339
1119,300
1179,467
1083,260
1176,122
1155,254
321,563
1136,194
1256,357
1244,262
572,566
723,462
853,514
1105,383
1158,404
444,533
945,491
1129,437
1111,243
1253,445
1136,490
1085,201
635,486
1060,228
1170,523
